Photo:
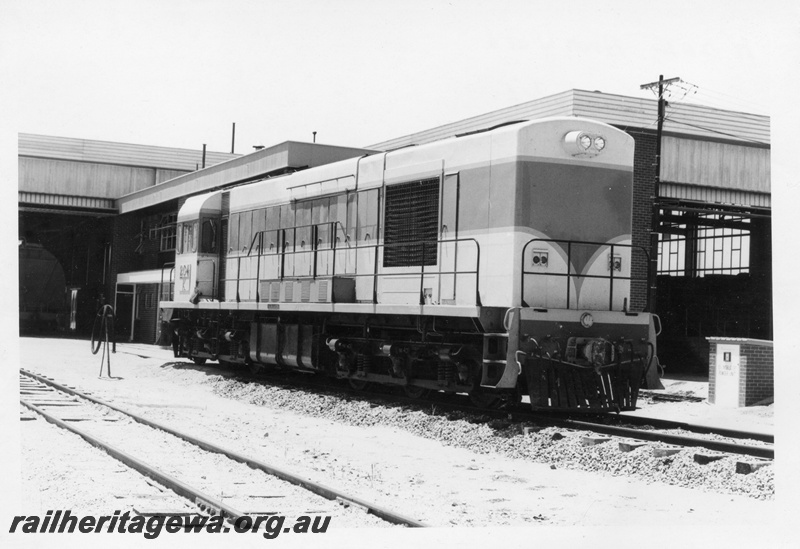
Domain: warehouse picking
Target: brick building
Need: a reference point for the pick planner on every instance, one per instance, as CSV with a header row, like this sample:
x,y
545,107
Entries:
x,y
714,235
741,371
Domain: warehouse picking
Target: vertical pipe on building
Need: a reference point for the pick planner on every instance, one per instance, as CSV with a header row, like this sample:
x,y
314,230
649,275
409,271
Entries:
x,y
233,137
204,155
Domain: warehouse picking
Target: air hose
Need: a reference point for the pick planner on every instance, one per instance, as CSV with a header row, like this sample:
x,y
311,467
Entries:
x,y
102,334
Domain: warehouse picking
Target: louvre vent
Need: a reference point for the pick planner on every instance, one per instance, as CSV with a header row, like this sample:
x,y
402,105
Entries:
x,y
289,296
412,213
323,291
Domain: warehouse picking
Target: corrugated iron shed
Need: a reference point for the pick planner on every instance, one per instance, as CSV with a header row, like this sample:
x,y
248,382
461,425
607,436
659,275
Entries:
x,y
627,112
64,174
122,154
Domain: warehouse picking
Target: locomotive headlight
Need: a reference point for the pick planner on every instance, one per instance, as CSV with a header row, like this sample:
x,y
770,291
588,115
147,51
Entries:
x,y
587,320
583,144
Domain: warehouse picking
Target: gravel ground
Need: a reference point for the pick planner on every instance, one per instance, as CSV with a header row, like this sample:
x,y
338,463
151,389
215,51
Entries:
x,y
555,447
446,473
104,482
247,490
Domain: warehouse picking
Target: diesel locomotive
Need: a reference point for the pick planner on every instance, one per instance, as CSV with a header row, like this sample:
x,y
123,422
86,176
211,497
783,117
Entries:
x,y
497,263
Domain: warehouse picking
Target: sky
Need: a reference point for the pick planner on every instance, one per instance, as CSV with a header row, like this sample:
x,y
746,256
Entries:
x,y
179,73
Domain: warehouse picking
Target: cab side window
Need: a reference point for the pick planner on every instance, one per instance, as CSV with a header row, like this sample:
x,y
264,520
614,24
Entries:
x,y
179,238
208,237
189,237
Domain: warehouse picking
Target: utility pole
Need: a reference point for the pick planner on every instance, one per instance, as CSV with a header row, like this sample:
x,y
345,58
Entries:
x,y
655,221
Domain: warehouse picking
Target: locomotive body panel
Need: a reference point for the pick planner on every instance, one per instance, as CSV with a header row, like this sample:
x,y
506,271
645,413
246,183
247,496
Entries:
x,y
349,267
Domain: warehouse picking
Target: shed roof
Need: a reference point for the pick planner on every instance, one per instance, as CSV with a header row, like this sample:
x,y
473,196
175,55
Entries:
x,y
626,112
123,154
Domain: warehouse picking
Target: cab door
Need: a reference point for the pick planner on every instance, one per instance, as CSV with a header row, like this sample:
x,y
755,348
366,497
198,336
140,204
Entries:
x,y
208,256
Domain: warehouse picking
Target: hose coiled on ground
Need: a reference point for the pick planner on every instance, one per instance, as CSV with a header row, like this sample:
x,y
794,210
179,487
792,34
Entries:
x,y
102,333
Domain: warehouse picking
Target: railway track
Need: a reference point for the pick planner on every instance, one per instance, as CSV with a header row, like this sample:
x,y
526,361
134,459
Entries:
x,y
195,469
627,427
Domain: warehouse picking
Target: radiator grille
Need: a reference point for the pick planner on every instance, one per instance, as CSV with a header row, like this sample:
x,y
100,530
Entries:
x,y
412,214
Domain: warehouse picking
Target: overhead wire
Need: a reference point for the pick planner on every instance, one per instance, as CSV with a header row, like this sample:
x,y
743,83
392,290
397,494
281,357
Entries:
x,y
714,131
714,98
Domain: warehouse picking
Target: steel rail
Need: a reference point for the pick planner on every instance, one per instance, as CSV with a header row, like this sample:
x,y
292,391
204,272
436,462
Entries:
x,y
640,434
315,487
513,414
695,428
679,440
181,488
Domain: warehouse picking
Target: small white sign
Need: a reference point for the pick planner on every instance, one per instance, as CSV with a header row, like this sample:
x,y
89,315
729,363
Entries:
x,y
726,392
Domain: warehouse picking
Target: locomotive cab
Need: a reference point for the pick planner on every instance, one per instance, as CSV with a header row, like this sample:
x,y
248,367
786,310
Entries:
x,y
197,258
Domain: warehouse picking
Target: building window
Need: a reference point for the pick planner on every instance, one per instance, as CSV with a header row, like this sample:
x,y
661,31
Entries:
x,y
412,215
711,245
167,228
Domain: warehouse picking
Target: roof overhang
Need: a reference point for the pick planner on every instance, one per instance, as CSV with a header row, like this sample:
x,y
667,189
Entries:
x,y
59,203
145,277
276,160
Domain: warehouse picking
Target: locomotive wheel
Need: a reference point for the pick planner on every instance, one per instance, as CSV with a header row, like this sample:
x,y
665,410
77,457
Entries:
x,y
482,399
412,391
357,384
199,360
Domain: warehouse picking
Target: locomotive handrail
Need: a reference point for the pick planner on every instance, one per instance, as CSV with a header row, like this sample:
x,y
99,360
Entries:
x,y
282,231
170,264
569,274
314,249
281,245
